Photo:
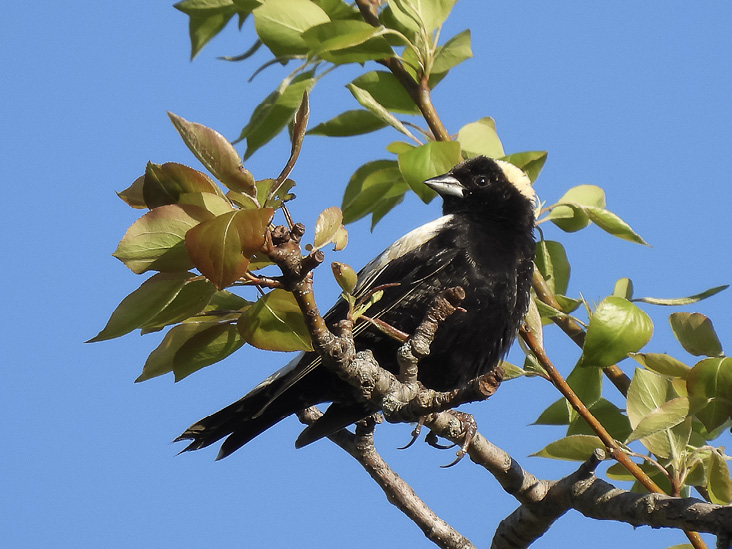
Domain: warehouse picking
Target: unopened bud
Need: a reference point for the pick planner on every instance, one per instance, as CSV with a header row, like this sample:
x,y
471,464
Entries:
x,y
345,276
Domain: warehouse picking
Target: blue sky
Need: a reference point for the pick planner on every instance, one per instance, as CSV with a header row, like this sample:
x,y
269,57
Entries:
x,y
633,97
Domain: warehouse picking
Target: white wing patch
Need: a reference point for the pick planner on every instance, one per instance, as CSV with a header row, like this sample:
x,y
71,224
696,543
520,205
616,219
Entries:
x,y
403,246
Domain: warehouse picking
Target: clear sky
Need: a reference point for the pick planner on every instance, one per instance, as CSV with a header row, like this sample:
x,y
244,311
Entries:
x,y
632,96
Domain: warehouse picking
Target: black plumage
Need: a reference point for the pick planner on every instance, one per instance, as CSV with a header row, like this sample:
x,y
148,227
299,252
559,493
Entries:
x,y
484,243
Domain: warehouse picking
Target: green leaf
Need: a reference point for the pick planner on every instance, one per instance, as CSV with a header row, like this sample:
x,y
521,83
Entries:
x,y
572,448
719,485
386,90
354,122
480,138
417,14
142,305
624,288
530,162
207,19
674,302
647,392
275,323
667,415
212,203
277,110
280,24
426,161
206,347
452,53
191,300
347,42
617,327
586,384
696,334
710,391
215,152
338,9
568,213
221,247
609,415
165,357
511,371
156,241
366,100
163,184
611,223
663,364
551,260
327,225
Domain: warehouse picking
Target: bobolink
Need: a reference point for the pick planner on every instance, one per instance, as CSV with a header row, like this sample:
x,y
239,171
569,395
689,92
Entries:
x,y
484,242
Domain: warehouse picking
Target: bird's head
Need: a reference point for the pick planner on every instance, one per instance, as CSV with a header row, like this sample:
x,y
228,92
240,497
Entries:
x,y
481,184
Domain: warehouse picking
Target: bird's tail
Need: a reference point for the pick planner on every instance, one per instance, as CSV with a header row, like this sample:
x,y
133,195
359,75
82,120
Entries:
x,y
265,405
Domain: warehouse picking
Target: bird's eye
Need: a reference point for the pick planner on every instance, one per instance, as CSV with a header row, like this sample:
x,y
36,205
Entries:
x,y
481,181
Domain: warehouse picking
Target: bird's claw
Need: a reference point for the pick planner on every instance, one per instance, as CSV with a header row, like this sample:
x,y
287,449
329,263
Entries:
x,y
415,434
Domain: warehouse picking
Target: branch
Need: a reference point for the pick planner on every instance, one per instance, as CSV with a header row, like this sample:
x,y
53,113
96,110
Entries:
x,y
418,91
614,448
598,499
361,447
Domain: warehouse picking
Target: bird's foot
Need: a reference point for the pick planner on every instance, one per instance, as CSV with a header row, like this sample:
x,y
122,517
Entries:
x,y
415,433
468,427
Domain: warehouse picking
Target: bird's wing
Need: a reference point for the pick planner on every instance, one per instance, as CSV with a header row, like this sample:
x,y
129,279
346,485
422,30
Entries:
x,y
411,261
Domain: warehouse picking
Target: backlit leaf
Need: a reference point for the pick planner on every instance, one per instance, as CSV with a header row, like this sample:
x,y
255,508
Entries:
x,y
696,334
551,260
452,53
277,110
710,391
480,138
415,14
156,241
326,226
221,247
132,195
366,100
719,485
206,347
677,301
617,327
275,323
572,448
142,305
215,152
421,163
571,219
191,300
347,42
530,162
354,122
212,203
667,415
163,184
611,223
386,90
663,364
280,24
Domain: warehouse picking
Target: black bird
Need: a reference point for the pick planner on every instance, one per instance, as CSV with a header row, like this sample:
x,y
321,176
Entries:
x,y
484,242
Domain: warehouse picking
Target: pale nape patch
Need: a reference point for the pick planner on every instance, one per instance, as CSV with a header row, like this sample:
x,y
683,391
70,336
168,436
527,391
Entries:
x,y
518,179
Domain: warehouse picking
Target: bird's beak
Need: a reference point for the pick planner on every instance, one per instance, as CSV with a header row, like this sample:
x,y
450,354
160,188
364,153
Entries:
x,y
446,185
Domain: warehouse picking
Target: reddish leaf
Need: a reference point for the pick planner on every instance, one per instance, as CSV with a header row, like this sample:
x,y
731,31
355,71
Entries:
x,y
221,247
215,153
